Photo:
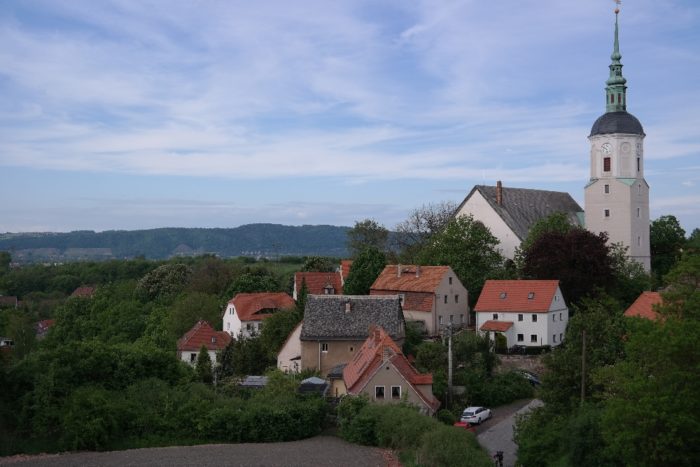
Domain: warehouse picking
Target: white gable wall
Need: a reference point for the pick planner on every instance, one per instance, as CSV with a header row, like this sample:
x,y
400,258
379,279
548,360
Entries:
x,y
482,211
291,349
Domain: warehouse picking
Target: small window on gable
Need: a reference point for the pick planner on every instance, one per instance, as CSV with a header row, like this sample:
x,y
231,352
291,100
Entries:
x,y
324,347
396,392
456,298
606,164
554,317
450,280
495,316
531,295
445,299
503,295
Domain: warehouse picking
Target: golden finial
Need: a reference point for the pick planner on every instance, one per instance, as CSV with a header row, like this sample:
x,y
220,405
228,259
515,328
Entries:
x,y
618,3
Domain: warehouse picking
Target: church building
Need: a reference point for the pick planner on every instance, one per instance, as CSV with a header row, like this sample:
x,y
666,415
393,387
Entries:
x,y
617,196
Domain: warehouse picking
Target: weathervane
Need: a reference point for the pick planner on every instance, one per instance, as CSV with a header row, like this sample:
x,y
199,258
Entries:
x,y
618,3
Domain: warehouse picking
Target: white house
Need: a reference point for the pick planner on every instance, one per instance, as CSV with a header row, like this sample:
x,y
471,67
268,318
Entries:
x,y
509,213
245,313
201,334
530,313
289,356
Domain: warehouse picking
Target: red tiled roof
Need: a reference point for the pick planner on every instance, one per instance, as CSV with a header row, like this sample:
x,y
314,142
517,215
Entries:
x,y
83,291
370,357
316,282
512,296
44,325
203,334
498,326
345,266
8,300
643,306
412,278
412,301
249,305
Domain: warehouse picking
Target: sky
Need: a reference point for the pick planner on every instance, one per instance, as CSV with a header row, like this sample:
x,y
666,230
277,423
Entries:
x,y
136,114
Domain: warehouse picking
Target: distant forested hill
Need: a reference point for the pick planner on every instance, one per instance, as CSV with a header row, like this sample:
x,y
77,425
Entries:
x,y
267,240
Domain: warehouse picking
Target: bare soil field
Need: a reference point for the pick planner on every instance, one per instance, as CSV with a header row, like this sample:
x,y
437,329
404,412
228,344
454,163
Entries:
x,y
318,451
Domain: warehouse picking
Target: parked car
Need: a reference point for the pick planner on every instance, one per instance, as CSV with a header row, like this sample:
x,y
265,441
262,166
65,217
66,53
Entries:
x,y
475,415
466,425
532,378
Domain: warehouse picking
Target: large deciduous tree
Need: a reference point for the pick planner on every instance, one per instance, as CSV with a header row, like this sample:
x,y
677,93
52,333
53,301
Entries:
x,y
579,259
667,239
365,270
470,249
367,233
422,223
204,367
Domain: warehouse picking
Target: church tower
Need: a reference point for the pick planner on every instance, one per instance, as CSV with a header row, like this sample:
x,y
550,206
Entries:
x,y
617,196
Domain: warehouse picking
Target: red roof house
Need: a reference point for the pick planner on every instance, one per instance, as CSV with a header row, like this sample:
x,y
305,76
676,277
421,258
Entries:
x,y
201,334
43,326
318,283
644,306
525,312
245,313
84,291
383,373
430,295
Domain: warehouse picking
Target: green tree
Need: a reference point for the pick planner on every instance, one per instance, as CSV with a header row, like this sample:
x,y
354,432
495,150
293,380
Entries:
x,y
470,249
203,369
250,357
364,234
682,297
164,282
365,270
276,330
210,275
191,307
557,222
667,239
630,277
250,282
579,259
318,264
5,260
420,226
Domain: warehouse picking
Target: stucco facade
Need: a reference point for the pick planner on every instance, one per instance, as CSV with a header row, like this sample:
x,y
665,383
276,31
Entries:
x,y
395,388
289,356
326,354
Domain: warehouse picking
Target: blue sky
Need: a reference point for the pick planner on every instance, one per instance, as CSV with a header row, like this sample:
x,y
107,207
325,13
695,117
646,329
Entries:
x,y
119,114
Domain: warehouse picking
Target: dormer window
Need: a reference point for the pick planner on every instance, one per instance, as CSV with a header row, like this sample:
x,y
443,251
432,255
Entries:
x,y
531,295
503,295
329,290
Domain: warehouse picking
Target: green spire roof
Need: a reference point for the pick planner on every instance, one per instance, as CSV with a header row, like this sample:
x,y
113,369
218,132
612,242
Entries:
x,y
615,91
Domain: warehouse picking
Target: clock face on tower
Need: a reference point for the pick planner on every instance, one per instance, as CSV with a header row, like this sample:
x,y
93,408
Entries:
x,y
606,148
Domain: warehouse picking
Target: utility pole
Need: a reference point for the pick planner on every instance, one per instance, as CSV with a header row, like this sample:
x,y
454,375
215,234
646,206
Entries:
x,y
583,366
449,365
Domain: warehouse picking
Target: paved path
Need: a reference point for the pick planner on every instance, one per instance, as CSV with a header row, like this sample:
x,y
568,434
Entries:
x,y
319,451
498,435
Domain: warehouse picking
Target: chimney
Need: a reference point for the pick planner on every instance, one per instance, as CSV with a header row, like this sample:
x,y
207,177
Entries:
x,y
418,270
398,270
347,307
499,193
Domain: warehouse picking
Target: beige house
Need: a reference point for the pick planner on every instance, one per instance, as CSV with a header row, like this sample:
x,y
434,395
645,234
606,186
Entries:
x,y
430,295
509,213
380,371
336,326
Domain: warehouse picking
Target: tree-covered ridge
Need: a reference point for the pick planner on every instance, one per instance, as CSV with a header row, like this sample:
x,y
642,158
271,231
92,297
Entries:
x,y
247,240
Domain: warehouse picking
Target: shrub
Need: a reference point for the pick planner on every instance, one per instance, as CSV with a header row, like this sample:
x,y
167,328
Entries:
x,y
451,446
91,420
446,417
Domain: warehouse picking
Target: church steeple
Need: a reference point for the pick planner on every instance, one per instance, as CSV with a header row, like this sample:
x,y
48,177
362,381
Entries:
x,y
616,91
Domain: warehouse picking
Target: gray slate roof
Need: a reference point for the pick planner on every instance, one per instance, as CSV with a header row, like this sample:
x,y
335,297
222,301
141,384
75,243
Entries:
x,y
325,317
617,122
522,207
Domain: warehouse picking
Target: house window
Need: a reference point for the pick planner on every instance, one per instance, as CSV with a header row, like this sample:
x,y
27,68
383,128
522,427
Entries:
x,y
451,320
352,349
606,213
559,316
531,295
554,338
440,319
534,318
639,212
607,189
396,392
193,357
461,318
450,280
228,326
561,336
495,316
248,327
554,317
520,317
324,346
379,392
639,241
456,298
533,338
445,299
606,164
521,337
